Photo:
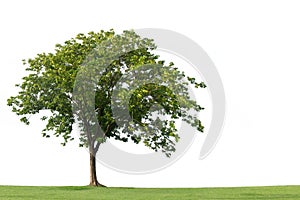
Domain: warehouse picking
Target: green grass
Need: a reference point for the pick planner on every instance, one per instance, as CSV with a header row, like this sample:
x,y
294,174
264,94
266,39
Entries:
x,y
24,192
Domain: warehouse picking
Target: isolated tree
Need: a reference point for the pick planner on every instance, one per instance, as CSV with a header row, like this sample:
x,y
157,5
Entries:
x,y
54,78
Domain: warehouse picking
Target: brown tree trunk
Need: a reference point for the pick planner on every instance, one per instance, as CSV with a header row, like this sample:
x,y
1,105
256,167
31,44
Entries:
x,y
93,173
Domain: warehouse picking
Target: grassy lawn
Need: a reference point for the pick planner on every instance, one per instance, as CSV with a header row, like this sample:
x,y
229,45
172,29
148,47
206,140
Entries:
x,y
24,192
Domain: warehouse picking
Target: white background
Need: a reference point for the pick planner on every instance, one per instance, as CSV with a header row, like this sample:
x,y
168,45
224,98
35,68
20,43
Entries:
x,y
255,46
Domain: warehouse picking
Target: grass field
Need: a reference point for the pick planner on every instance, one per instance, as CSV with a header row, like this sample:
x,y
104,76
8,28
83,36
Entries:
x,y
24,192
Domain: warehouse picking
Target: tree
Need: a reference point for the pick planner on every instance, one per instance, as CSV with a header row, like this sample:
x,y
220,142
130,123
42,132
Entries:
x,y
60,82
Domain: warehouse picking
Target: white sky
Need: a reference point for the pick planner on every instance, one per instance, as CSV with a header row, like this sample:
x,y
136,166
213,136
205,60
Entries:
x,y
255,46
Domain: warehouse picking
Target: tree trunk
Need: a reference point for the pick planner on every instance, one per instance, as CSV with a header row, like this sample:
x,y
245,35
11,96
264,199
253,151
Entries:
x,y
93,173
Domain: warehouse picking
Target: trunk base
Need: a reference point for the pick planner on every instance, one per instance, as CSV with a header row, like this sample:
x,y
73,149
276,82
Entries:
x,y
97,184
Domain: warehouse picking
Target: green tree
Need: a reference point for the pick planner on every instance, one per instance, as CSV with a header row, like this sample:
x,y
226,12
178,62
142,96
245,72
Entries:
x,y
76,65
